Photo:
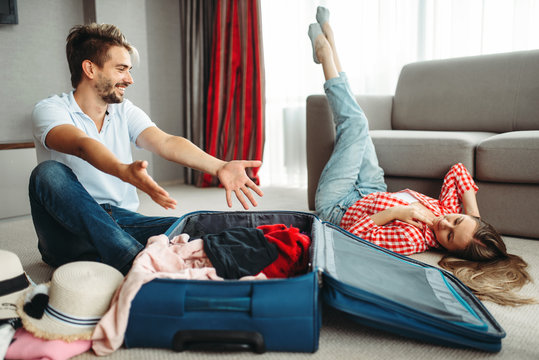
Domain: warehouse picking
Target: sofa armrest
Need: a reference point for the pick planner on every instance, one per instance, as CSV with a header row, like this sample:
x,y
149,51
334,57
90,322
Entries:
x,y
320,138
378,110
321,132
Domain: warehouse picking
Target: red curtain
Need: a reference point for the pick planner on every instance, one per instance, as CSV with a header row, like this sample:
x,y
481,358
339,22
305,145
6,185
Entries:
x,y
236,104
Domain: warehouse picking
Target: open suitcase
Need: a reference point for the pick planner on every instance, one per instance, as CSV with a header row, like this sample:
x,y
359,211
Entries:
x,y
374,286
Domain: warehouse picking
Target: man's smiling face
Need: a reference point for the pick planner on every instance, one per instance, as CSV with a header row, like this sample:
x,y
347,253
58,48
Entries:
x,y
115,76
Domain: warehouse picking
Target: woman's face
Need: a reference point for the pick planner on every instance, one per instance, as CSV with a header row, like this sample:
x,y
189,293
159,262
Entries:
x,y
454,231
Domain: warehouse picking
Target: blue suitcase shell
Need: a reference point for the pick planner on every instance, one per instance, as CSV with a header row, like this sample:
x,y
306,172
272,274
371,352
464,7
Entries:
x,y
374,286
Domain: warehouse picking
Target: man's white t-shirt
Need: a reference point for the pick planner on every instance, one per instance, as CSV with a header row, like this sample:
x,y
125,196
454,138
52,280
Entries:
x,y
123,124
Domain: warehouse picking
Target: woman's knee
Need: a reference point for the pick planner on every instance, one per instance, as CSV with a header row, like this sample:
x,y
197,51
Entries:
x,y
333,214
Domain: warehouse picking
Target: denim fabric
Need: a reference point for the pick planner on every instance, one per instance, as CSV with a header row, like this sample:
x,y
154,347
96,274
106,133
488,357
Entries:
x,y
71,225
352,171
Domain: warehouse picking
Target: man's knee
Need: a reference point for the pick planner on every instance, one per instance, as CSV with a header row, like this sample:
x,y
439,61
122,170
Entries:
x,y
50,173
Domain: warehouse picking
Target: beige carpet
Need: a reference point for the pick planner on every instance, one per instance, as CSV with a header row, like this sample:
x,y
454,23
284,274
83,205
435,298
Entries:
x,y
340,338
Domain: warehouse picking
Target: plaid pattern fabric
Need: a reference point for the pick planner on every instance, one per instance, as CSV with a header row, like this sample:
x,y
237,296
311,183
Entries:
x,y
399,236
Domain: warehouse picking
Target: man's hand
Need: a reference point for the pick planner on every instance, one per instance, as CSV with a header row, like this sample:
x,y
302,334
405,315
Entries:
x,y
231,174
136,174
233,177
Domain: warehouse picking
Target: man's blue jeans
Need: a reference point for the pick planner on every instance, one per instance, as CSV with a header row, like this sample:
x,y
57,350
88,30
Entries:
x,y
72,226
352,171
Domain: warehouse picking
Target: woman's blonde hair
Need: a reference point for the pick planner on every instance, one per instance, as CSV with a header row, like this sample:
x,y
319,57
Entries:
x,y
488,270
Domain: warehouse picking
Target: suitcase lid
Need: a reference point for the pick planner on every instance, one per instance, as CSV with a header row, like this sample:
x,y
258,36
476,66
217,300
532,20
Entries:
x,y
373,284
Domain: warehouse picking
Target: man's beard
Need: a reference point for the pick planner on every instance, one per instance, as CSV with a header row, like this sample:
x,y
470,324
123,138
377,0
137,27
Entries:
x,y
106,90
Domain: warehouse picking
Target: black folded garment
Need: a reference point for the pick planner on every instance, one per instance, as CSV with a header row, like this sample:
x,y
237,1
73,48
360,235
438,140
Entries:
x,y
239,251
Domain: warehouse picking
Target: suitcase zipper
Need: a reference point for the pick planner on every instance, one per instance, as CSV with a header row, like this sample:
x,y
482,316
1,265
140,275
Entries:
x,y
320,273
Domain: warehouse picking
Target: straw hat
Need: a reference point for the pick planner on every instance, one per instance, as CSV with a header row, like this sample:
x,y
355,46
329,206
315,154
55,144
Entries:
x,y
79,294
13,282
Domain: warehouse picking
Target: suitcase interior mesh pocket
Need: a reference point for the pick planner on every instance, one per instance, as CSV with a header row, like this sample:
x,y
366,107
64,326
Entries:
x,y
388,277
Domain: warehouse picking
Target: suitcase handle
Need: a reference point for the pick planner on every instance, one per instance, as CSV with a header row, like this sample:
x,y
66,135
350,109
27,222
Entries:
x,y
195,303
218,340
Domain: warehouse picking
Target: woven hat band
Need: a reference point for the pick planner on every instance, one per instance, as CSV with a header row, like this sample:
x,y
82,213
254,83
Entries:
x,y
69,319
12,285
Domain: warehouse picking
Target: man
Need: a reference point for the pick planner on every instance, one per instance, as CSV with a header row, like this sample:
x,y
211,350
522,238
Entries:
x,y
83,192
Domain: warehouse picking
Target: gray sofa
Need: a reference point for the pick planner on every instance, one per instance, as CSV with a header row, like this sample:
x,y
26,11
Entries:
x,y
482,111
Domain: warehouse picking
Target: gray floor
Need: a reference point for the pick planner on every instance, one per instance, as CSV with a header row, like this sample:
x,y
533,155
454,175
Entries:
x,y
340,338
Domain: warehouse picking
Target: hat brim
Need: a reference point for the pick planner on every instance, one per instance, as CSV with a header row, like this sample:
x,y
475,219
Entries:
x,y
8,304
48,328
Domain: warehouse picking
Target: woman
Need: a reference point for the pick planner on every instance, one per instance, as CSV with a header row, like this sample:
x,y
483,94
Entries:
x,y
352,193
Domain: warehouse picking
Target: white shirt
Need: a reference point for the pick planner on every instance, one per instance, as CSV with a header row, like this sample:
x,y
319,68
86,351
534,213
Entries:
x,y
405,196
122,125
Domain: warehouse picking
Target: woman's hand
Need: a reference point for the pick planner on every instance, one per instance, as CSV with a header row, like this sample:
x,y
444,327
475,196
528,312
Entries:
x,y
414,214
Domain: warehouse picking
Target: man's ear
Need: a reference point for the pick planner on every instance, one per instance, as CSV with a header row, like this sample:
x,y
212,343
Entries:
x,y
88,68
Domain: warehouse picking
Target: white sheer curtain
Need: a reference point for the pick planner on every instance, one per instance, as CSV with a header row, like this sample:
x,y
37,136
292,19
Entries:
x,y
375,38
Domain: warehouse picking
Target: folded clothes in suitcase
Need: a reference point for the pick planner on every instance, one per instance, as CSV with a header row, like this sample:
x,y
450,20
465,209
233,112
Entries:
x,y
374,286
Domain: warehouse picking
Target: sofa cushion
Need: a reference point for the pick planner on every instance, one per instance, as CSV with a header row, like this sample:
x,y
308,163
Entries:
x,y
496,93
509,157
427,154
511,208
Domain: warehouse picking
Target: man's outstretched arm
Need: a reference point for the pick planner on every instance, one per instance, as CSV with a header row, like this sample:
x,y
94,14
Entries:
x,y
231,174
71,140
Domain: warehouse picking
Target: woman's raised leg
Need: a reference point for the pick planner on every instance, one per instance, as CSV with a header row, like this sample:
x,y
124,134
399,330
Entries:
x,y
352,170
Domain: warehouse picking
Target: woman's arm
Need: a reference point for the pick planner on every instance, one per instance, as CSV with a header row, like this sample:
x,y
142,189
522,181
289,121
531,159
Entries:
x,y
398,237
413,214
469,203
458,191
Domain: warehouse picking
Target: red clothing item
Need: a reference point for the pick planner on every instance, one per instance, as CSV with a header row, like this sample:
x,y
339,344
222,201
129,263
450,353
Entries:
x,y
293,247
399,236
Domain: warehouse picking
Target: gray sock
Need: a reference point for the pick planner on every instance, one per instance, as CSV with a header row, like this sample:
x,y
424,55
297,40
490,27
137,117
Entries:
x,y
322,15
314,31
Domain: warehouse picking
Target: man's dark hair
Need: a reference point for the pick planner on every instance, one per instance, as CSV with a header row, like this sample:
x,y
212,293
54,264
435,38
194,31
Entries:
x,y
92,42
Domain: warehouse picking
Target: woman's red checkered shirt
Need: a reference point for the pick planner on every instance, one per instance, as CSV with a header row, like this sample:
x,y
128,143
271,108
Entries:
x,y
399,236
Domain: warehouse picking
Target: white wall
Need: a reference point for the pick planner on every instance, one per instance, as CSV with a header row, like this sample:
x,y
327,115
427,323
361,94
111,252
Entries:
x,y
16,167
32,67
33,64
164,57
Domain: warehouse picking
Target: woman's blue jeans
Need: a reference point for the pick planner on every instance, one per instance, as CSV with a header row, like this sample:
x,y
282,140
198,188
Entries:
x,y
72,226
352,171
